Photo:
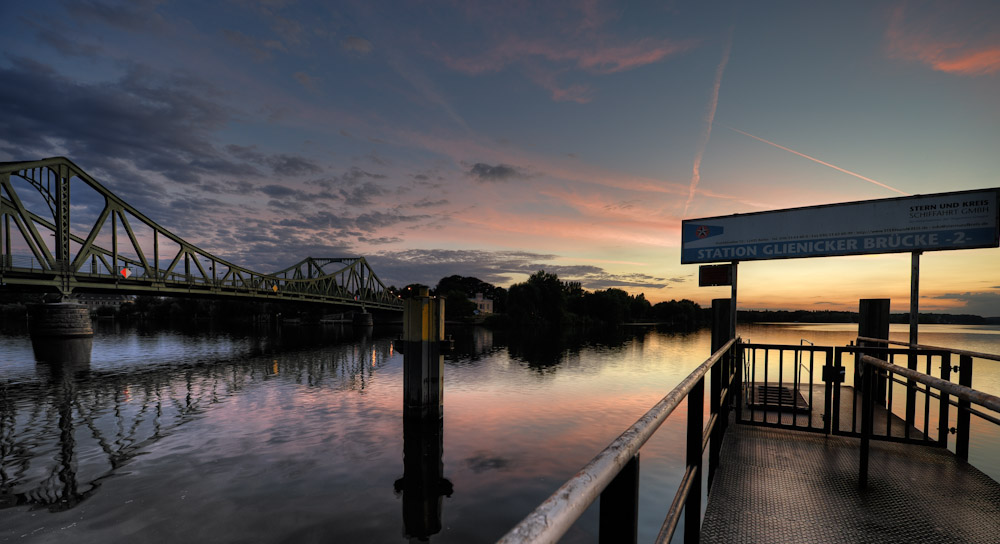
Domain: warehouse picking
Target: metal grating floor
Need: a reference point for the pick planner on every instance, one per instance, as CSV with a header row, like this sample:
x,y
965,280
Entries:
x,y
781,486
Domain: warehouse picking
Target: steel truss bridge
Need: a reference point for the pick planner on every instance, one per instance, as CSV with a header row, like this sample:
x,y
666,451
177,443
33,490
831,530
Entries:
x,y
45,248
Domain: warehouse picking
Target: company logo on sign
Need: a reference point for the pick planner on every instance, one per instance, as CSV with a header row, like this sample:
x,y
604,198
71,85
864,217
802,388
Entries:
x,y
700,232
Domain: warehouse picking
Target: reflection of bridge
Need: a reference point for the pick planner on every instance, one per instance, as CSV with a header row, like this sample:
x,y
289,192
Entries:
x,y
64,434
44,248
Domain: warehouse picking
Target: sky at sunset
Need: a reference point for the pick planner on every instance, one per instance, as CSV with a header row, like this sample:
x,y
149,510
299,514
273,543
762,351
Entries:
x,y
494,139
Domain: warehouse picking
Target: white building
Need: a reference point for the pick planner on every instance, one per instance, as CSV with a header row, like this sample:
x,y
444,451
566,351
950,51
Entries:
x,y
484,306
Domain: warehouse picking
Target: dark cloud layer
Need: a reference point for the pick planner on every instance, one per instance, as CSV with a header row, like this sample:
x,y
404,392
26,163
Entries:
x,y
280,164
501,172
133,15
158,124
361,195
986,304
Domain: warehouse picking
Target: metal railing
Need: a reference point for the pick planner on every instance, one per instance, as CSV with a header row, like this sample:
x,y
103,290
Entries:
x,y
774,391
613,475
960,352
873,368
965,367
798,361
920,406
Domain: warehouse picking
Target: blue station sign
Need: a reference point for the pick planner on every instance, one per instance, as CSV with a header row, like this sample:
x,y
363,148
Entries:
x,y
956,220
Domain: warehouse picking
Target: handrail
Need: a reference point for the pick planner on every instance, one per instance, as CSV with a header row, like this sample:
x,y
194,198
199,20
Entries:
x,y
962,392
976,354
551,519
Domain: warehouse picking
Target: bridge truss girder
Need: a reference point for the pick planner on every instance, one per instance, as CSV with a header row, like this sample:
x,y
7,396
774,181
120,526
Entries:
x,y
186,270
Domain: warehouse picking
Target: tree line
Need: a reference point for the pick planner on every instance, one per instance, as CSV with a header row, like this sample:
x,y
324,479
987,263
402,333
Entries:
x,y
543,300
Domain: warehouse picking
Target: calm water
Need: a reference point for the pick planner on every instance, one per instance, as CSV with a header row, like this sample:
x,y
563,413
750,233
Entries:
x,y
298,435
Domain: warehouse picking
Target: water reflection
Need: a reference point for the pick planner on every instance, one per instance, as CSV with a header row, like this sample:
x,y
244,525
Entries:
x,y
58,488
77,424
423,484
469,344
297,434
544,350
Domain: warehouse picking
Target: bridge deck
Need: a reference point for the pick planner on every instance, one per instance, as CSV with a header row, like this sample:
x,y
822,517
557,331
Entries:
x,y
781,486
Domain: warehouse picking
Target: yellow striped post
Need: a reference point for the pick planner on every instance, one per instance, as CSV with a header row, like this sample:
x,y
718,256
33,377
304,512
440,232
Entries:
x,y
423,364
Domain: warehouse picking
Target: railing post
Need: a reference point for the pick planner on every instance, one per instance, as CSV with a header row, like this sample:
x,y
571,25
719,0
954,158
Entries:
x,y
867,412
721,333
962,436
736,390
619,507
695,430
943,402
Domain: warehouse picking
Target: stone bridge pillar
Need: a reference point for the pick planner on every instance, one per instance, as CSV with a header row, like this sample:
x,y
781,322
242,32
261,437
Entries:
x,y
61,332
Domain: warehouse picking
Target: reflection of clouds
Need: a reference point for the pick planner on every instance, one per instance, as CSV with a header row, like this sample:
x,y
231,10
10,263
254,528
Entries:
x,y
482,462
109,413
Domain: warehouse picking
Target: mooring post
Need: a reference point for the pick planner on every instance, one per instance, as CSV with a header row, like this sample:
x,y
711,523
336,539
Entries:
x,y
423,364
873,322
423,483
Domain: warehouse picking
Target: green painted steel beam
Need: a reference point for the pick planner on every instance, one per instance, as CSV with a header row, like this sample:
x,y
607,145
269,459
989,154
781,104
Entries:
x,y
322,280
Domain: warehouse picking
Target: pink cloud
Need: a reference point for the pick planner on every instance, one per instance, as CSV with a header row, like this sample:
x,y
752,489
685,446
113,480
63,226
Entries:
x,y
598,59
575,39
945,44
974,63
607,60
546,79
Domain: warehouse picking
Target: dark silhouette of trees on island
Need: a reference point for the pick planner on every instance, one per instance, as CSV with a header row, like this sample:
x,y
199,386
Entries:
x,y
545,301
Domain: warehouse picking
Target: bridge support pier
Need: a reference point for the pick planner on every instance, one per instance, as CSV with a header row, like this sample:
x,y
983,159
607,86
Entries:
x,y
362,319
61,332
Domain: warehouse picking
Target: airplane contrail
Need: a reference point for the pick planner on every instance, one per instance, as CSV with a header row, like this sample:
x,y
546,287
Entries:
x,y
814,159
713,105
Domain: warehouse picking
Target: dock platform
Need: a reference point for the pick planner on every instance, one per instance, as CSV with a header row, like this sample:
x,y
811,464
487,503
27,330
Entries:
x,y
785,486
